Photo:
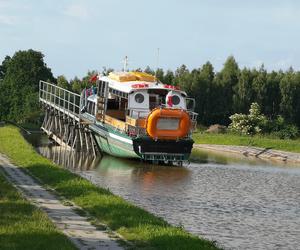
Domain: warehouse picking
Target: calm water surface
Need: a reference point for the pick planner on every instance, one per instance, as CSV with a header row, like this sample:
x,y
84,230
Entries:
x,y
240,203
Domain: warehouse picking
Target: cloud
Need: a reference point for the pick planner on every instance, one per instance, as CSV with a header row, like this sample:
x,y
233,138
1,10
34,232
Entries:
x,y
7,20
77,10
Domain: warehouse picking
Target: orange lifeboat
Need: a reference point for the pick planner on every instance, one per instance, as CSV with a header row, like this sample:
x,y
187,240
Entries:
x,y
169,124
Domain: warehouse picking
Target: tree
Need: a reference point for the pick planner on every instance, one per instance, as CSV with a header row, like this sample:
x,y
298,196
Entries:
x,y
244,92
159,73
149,70
63,82
227,81
272,97
202,86
259,86
169,77
76,85
23,73
290,97
183,78
3,67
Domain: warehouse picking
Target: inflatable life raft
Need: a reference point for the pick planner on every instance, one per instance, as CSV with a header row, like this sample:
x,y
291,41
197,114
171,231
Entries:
x,y
168,124
131,76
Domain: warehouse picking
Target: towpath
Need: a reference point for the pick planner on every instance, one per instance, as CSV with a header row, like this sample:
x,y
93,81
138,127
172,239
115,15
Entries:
x,y
76,227
248,151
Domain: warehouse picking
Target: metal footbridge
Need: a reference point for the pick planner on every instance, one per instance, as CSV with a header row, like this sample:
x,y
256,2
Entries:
x,y
63,122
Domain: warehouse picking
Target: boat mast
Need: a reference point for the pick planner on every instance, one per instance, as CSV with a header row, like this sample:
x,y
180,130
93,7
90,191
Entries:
x,y
125,64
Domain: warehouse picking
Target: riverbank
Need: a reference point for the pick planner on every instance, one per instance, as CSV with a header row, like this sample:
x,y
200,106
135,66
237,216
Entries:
x,y
255,141
23,226
136,225
254,152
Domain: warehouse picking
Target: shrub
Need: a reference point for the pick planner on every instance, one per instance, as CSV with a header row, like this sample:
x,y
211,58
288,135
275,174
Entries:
x,y
288,132
281,129
248,124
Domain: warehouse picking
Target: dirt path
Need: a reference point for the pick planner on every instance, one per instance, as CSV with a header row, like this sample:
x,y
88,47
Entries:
x,y
263,153
76,227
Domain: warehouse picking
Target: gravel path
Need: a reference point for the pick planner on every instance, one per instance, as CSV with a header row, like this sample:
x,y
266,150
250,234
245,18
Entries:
x,y
76,227
263,153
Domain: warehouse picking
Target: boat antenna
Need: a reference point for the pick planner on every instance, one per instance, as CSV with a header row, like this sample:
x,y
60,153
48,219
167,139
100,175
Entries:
x,y
157,64
157,60
125,64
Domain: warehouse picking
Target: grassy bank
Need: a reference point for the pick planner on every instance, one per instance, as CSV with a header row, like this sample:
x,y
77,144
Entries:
x,y
257,141
135,224
23,226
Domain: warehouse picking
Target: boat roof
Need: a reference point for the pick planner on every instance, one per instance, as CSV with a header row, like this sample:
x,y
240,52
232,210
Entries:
x,y
133,85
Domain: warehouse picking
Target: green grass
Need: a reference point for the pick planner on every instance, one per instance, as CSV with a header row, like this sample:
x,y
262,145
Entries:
x,y
23,226
142,228
257,141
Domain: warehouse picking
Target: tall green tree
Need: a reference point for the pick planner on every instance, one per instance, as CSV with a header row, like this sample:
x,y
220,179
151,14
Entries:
x,y
3,67
159,73
23,73
63,82
271,104
183,78
169,77
202,90
244,92
227,81
290,97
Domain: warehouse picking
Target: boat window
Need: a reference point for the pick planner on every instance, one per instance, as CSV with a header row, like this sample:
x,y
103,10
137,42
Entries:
x,y
139,98
175,100
167,124
116,107
153,101
90,108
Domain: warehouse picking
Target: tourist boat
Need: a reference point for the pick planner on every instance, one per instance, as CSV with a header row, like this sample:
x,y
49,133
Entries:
x,y
132,114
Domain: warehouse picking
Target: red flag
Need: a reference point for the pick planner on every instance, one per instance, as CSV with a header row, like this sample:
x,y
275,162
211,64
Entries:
x,y
93,78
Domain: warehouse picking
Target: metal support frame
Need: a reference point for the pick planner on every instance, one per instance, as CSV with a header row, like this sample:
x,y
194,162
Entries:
x,y
62,118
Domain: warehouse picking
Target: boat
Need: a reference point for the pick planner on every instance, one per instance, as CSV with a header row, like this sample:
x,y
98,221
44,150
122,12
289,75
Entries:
x,y
134,115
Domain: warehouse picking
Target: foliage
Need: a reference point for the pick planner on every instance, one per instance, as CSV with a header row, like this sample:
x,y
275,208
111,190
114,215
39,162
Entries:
x,y
248,124
281,129
18,99
287,132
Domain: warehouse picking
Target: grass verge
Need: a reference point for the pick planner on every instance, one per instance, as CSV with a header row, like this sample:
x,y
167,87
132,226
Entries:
x,y
23,226
142,228
257,141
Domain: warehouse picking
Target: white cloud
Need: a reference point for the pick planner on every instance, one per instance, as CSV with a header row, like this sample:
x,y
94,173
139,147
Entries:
x,y
78,10
7,20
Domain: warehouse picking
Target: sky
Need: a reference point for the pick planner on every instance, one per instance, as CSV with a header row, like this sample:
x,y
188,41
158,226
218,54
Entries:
x,y
76,36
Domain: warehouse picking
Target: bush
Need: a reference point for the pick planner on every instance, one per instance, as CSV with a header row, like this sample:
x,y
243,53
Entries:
x,y
248,124
288,132
281,129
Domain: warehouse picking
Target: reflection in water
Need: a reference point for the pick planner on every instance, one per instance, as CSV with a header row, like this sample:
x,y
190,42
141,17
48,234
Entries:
x,y
74,161
240,204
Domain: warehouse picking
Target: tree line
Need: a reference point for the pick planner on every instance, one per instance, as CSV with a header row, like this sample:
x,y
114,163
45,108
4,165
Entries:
x,y
218,95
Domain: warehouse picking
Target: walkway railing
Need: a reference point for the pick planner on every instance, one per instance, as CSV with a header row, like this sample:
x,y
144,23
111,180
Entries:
x,y
61,99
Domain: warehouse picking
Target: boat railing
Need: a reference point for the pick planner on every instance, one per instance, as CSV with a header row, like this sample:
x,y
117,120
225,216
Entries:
x,y
61,99
136,122
193,116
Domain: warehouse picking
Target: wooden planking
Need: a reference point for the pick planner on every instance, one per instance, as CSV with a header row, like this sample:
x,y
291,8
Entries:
x,y
136,122
115,122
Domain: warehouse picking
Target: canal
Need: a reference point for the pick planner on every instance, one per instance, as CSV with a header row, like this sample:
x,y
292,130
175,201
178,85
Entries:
x,y
239,203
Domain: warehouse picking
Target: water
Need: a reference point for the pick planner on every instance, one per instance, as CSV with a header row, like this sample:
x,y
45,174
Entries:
x,y
240,203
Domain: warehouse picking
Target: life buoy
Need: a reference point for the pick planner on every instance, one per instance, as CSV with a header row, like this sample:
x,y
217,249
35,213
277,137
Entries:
x,y
159,117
